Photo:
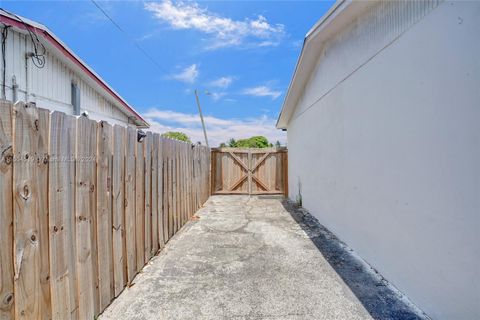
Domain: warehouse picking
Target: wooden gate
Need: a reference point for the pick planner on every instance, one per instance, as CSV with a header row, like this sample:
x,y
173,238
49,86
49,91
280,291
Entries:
x,y
249,171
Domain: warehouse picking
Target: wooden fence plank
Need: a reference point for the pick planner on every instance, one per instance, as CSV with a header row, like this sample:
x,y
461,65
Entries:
x,y
171,207
61,199
118,207
189,186
214,175
148,195
163,144
185,183
130,203
166,189
174,188
30,143
42,172
180,185
155,193
85,206
183,180
104,214
161,236
285,174
194,181
6,212
178,192
189,177
198,178
139,203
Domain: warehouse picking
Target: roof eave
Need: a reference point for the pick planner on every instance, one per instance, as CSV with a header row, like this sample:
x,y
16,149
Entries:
x,y
315,38
52,39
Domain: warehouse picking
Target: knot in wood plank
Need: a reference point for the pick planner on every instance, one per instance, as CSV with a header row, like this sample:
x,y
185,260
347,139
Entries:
x,y
26,192
7,300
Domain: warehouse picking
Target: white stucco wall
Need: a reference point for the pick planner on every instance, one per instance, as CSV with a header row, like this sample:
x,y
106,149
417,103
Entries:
x,y
388,156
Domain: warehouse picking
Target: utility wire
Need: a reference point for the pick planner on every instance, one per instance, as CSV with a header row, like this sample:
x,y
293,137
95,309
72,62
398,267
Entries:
x,y
149,57
4,63
39,51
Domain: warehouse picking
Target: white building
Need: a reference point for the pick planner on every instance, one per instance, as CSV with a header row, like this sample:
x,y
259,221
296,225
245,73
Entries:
x,y
54,77
383,123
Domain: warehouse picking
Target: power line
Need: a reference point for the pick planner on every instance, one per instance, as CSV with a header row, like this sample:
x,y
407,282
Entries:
x,y
39,51
145,53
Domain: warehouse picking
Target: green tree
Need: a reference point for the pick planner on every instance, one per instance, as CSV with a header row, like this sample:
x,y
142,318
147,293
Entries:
x,y
232,143
254,142
177,136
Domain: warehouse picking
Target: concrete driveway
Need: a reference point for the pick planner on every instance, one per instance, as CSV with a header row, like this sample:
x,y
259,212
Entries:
x,y
247,258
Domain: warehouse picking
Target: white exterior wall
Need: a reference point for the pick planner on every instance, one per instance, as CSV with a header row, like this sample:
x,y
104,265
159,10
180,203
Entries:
x,y
385,143
50,86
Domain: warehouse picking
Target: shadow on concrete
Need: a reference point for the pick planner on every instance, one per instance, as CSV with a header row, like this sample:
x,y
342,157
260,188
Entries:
x,y
370,288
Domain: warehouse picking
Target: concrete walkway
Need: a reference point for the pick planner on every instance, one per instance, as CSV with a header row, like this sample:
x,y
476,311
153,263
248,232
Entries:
x,y
244,258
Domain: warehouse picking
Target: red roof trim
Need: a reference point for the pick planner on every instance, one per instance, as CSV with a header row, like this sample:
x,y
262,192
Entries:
x,y
66,52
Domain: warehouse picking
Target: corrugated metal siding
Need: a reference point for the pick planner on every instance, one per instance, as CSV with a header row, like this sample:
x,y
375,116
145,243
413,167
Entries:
x,y
367,35
50,87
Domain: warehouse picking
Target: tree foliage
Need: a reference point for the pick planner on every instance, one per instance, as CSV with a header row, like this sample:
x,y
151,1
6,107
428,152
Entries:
x,y
177,136
252,142
232,143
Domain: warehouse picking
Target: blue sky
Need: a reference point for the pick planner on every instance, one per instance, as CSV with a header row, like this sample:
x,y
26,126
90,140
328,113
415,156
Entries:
x,y
242,52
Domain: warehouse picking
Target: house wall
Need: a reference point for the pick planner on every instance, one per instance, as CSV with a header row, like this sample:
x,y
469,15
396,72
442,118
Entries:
x,y
50,86
384,148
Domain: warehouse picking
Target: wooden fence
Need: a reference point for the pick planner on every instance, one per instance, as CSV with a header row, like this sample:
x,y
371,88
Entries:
x,y
83,207
249,171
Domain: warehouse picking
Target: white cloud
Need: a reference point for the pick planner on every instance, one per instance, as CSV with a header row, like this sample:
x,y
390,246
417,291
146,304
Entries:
x,y
222,82
225,32
188,75
218,130
297,44
262,91
217,95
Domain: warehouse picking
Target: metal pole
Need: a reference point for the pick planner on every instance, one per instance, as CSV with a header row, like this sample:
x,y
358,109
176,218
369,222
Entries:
x,y
201,118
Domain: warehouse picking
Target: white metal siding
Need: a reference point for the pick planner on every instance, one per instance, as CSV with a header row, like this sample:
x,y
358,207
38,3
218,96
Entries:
x,y
388,152
50,86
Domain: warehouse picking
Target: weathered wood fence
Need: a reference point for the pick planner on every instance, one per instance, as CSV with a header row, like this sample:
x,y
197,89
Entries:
x,y
249,171
83,207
